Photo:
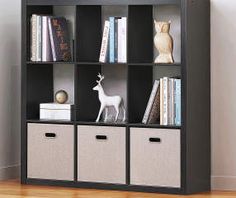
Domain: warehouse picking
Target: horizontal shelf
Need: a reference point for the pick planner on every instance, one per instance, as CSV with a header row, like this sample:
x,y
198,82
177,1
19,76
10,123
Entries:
x,y
141,125
116,124
49,63
49,121
98,63
102,2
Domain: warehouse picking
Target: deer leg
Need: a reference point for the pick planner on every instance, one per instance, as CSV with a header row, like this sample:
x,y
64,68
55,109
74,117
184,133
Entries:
x,y
124,112
100,112
117,112
106,114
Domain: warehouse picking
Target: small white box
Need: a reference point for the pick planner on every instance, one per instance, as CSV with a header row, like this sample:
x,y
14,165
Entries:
x,y
54,111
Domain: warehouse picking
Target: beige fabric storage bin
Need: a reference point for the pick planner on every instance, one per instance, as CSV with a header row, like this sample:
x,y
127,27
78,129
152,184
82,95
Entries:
x,y
155,157
101,154
50,151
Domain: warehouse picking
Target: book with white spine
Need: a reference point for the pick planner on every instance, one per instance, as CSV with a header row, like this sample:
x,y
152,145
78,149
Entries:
x,y
104,45
165,100
122,40
150,102
33,37
161,101
46,46
39,38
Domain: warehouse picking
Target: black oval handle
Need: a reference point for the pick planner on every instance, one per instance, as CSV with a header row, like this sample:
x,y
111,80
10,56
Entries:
x,y
152,139
50,135
101,137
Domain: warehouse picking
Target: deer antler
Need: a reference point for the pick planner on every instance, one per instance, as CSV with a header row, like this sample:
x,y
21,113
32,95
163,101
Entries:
x,y
100,78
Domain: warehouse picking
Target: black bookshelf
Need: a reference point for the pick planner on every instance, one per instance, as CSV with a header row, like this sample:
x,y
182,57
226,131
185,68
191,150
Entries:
x,y
194,70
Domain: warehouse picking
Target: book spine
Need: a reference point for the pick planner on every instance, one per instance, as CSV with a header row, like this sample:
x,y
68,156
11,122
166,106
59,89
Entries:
x,y
116,39
161,101
150,102
171,101
33,37
122,40
46,49
104,44
155,109
178,102
112,40
54,57
39,39
165,101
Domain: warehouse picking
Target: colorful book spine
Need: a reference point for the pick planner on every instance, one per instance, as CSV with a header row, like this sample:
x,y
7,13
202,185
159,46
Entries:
x,y
112,40
46,47
39,38
150,102
177,101
33,37
104,45
122,40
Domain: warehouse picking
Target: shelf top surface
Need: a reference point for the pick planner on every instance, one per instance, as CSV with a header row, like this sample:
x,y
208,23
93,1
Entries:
x,y
102,2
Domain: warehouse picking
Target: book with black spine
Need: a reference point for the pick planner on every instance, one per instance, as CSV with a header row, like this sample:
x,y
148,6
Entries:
x,y
59,39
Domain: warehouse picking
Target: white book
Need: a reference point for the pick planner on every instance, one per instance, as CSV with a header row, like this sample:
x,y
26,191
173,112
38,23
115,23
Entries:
x,y
150,102
165,100
171,102
122,40
53,114
33,37
55,106
39,39
104,45
46,47
53,50
161,101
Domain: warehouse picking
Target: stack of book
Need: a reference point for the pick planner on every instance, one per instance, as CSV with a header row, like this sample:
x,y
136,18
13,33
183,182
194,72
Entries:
x,y
164,103
114,41
49,39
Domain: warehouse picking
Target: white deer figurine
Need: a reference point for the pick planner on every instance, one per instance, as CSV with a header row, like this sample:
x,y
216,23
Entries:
x,y
108,101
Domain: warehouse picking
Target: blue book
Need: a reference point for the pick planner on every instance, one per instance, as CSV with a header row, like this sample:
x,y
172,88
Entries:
x,y
112,40
177,101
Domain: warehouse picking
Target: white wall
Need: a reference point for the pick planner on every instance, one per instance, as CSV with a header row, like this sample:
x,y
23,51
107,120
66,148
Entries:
x,y
9,88
223,65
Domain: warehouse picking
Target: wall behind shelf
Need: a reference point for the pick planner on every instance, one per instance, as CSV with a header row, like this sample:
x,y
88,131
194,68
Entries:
x,y
10,26
223,70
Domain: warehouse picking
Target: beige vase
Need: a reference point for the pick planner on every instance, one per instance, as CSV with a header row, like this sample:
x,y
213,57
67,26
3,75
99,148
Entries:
x,y
163,42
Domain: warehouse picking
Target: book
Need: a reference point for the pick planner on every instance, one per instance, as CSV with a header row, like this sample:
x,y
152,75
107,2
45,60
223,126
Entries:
x,y
46,46
122,40
155,109
177,102
112,40
116,39
105,39
33,37
161,101
39,38
59,39
54,111
150,102
171,102
165,100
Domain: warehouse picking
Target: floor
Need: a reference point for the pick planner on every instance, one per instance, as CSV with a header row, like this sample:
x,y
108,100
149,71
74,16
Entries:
x,y
10,189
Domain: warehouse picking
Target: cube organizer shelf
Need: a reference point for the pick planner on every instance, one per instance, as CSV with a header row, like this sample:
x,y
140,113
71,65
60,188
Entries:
x,y
122,156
